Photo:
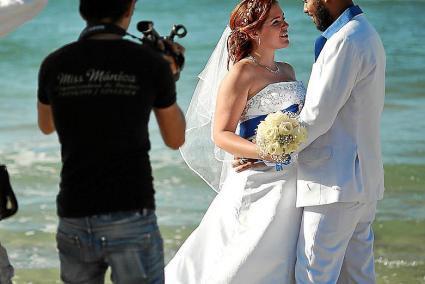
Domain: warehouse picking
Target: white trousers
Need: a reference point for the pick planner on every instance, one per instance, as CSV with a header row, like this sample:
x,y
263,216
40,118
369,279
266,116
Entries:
x,y
335,244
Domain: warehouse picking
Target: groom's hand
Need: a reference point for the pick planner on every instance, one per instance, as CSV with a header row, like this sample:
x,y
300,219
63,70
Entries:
x,y
242,164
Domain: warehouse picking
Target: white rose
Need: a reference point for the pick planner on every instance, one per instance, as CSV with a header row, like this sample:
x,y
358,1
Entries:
x,y
285,128
301,135
271,134
275,118
274,149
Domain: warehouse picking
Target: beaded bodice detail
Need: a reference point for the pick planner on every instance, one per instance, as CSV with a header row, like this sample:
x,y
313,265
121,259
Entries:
x,y
275,97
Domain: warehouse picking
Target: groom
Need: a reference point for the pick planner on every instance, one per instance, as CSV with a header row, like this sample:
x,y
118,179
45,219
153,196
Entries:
x,y
340,173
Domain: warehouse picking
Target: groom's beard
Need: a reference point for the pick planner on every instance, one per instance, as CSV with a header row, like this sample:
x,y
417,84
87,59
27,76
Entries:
x,y
323,17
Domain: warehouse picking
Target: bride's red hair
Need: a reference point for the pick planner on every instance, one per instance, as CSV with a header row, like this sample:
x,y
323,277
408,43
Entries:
x,y
248,16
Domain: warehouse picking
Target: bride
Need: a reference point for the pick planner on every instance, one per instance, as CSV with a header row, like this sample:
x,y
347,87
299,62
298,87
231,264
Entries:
x,y
250,231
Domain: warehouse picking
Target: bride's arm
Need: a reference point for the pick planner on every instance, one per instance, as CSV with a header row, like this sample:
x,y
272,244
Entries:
x,y
231,101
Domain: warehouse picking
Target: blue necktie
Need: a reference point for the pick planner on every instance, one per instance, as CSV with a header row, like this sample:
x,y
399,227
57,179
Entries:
x,y
345,17
318,46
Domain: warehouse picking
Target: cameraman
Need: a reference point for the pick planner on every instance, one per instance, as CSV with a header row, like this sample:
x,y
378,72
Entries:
x,y
97,93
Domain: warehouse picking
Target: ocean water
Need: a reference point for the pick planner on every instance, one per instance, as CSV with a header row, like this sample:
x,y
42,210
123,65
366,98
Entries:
x,y
182,197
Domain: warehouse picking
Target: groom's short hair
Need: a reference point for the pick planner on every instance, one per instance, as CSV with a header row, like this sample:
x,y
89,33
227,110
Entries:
x,y
95,10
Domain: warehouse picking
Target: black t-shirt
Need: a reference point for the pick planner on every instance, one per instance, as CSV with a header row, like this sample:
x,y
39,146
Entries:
x,y
101,93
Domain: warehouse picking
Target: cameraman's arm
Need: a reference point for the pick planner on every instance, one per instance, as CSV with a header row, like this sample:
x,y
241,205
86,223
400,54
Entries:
x,y
45,118
168,114
44,109
172,124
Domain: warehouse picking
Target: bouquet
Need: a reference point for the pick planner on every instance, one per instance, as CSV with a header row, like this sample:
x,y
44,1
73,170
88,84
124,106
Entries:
x,y
280,135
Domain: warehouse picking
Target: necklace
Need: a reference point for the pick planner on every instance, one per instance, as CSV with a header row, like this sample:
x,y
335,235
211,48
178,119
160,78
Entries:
x,y
265,66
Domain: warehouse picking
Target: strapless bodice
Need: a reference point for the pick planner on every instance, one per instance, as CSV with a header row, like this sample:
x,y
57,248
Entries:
x,y
280,96
274,97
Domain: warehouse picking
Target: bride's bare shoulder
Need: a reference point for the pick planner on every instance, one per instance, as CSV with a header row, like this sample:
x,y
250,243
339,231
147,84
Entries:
x,y
243,70
239,79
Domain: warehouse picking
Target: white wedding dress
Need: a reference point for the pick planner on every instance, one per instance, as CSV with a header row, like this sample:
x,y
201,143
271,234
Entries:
x,y
249,233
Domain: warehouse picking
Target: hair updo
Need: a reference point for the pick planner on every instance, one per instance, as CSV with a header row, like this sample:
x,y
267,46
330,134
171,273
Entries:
x,y
248,16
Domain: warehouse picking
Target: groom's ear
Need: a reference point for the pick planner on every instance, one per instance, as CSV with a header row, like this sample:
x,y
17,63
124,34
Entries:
x,y
328,3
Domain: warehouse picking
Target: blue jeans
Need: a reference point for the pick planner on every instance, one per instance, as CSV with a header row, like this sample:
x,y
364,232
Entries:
x,y
127,242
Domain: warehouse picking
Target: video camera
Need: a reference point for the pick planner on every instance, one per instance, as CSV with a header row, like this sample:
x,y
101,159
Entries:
x,y
163,43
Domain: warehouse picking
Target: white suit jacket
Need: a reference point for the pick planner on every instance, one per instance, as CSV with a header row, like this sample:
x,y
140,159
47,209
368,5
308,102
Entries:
x,y
341,161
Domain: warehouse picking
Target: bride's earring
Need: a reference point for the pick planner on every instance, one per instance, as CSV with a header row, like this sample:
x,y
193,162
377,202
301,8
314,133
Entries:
x,y
259,41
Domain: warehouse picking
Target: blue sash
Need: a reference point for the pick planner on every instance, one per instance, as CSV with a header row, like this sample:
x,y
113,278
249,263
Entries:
x,y
247,128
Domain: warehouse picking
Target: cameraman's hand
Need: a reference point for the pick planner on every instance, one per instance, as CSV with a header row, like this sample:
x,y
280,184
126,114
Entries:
x,y
177,49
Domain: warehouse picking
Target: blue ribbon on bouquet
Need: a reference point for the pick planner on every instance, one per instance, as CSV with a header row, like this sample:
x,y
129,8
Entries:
x,y
247,128
279,166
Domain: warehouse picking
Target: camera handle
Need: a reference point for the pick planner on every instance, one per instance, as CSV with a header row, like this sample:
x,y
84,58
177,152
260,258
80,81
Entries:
x,y
177,30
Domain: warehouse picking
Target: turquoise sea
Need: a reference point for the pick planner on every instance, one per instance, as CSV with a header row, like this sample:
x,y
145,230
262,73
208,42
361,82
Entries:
x,y
182,197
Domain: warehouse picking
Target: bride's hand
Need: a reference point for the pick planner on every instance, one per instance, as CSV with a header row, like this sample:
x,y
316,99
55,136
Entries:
x,y
243,164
